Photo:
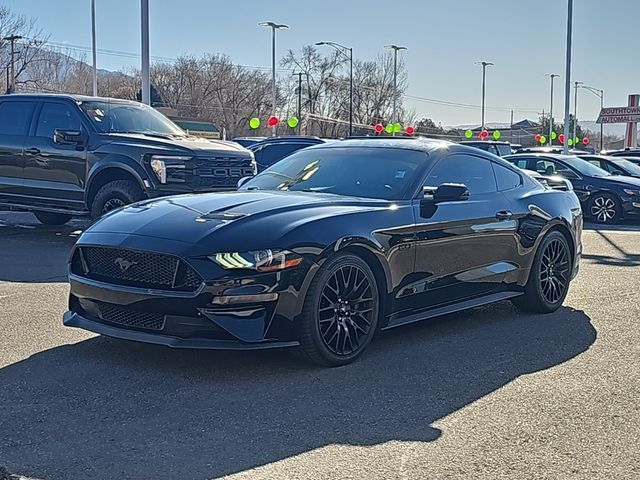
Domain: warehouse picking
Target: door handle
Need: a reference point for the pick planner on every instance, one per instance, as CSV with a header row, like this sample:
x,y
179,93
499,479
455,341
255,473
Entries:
x,y
504,215
32,151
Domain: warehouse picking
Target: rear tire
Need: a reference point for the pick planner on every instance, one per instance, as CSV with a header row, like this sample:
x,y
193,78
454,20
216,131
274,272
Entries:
x,y
550,276
115,194
50,218
340,313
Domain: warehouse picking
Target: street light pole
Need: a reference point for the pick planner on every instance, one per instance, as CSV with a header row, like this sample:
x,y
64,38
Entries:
x,y
395,49
553,77
146,81
484,79
342,49
93,47
13,38
600,94
576,85
567,79
274,27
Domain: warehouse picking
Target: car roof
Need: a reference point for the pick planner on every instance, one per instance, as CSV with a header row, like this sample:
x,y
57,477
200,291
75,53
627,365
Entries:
x,y
75,98
483,142
555,156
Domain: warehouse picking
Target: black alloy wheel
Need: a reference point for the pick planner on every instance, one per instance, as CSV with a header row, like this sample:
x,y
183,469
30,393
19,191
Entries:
x,y
604,208
554,271
549,277
346,307
340,313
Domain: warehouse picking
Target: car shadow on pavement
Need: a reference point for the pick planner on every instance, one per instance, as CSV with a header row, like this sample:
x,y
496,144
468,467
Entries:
x,y
105,409
35,253
621,257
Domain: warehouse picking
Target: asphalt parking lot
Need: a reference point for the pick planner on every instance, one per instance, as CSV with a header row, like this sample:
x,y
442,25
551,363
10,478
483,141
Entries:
x,y
489,393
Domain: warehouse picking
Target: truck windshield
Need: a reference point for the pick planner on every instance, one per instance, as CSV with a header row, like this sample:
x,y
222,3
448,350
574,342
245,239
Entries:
x,y
119,117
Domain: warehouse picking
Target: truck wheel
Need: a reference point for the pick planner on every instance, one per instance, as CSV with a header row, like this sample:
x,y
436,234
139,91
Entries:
x,y
49,218
115,194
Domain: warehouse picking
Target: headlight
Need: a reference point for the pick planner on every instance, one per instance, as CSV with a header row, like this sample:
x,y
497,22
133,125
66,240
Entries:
x,y
260,260
629,191
161,163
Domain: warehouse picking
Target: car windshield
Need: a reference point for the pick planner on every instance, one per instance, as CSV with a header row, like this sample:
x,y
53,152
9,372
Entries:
x,y
383,173
584,167
119,117
630,167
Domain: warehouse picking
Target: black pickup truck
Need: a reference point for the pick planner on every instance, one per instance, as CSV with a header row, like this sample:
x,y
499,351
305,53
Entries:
x,y
65,155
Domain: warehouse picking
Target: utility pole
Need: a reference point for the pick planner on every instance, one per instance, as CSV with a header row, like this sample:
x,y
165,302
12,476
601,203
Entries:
x,y
511,128
273,26
146,81
13,38
576,84
552,76
93,48
299,75
567,80
395,49
484,79
342,49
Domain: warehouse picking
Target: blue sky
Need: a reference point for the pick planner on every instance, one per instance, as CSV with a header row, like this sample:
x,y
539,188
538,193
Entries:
x,y
524,38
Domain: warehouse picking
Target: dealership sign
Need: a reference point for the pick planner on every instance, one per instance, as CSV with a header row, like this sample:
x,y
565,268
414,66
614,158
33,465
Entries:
x,y
629,115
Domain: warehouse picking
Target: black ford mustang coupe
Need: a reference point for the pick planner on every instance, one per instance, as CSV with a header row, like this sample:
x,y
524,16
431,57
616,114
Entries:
x,y
327,247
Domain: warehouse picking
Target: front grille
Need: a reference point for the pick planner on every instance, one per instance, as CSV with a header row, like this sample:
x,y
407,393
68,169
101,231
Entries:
x,y
135,268
221,171
130,318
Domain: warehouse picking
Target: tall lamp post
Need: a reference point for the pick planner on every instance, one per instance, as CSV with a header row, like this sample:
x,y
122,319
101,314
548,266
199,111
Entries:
x,y
576,85
484,80
93,47
600,94
11,88
144,29
567,78
273,26
552,76
396,49
342,49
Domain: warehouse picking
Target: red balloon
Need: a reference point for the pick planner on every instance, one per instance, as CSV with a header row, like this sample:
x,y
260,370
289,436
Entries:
x,y
410,130
378,128
586,140
561,138
484,134
273,121
538,137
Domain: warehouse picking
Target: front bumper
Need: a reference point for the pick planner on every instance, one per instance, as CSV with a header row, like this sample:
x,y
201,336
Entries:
x,y
631,206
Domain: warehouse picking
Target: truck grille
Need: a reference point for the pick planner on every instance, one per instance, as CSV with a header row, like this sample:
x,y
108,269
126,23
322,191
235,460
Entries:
x,y
134,268
223,172
130,318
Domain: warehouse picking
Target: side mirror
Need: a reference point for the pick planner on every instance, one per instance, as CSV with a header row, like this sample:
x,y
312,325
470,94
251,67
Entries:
x,y
242,181
447,192
68,137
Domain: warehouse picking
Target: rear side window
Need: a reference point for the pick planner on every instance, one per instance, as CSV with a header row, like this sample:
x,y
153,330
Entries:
x,y
506,178
276,152
14,117
57,116
474,172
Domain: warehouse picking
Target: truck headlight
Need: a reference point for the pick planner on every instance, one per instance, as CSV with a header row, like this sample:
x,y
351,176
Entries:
x,y
161,163
260,260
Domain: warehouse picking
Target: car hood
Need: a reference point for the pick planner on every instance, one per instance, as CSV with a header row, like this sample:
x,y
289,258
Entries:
x,y
194,145
240,220
621,181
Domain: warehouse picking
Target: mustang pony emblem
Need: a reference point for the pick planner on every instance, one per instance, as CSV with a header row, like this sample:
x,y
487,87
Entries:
x,y
124,264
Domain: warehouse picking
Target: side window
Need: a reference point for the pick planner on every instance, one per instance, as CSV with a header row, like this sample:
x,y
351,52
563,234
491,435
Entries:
x,y
14,117
276,152
57,116
503,149
474,172
506,178
492,149
551,167
598,163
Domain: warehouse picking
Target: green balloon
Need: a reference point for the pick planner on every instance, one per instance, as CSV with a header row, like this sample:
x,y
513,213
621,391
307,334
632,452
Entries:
x,y
397,128
570,141
576,140
497,135
254,123
293,122
389,128
543,139
468,134
554,135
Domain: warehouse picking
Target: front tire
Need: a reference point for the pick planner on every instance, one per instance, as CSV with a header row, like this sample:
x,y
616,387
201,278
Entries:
x,y
50,218
115,194
605,208
550,276
340,313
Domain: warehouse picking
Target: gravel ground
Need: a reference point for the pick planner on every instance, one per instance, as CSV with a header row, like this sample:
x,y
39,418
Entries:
x,y
486,394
